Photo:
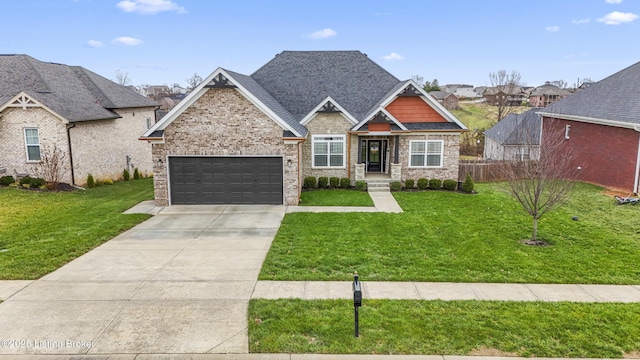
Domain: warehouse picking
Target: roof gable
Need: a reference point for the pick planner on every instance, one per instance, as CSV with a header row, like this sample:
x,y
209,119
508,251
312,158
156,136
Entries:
x,y
517,129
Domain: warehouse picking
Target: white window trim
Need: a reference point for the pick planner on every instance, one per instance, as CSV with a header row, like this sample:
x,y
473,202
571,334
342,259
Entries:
x,y
27,145
426,147
313,151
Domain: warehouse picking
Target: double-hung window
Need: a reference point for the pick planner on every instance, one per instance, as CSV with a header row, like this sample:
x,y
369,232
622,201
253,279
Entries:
x,y
328,151
32,142
426,153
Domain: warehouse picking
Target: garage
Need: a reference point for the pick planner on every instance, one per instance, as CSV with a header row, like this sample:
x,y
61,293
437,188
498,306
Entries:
x,y
226,180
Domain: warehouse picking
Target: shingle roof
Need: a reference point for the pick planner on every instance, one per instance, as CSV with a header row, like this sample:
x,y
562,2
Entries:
x,y
517,129
300,80
73,92
439,95
614,98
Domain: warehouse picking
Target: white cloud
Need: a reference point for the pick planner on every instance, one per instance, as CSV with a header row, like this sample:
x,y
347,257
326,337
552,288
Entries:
x,y
393,56
554,28
150,6
94,43
617,18
580,21
126,40
323,34
613,1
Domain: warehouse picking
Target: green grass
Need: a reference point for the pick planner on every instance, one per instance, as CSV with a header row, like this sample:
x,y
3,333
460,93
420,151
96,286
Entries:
x,y
41,231
528,329
335,197
481,115
444,236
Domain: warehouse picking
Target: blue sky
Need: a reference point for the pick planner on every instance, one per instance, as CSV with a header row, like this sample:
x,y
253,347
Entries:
x,y
456,41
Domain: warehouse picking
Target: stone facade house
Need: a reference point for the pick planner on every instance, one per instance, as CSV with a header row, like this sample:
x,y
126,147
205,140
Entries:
x,y
515,137
239,139
92,121
602,122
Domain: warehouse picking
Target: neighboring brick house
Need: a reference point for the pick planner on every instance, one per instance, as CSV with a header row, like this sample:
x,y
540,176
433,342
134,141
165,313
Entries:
x,y
253,139
511,95
448,100
603,123
546,94
515,137
93,121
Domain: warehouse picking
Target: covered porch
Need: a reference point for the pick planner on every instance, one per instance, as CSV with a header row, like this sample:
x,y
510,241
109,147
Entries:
x,y
377,157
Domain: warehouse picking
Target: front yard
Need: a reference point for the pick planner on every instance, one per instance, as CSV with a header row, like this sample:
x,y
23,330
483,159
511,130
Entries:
x,y
444,236
41,231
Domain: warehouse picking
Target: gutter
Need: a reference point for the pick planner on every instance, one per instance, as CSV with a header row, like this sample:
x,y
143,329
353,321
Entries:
x,y
73,176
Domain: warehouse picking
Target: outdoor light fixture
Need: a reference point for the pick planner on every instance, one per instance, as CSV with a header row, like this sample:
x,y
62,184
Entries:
x,y
289,162
159,161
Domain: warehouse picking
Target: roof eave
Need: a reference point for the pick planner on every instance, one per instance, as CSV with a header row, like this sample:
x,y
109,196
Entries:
x,y
590,120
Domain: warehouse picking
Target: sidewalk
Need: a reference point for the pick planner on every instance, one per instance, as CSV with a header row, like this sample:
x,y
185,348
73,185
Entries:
x,y
382,202
265,357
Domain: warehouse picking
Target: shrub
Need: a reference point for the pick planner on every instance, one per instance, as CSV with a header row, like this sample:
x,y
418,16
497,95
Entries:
x,y
309,182
345,183
136,174
25,180
450,185
91,183
361,185
36,182
408,184
7,180
107,182
467,185
423,184
435,184
395,186
334,182
125,175
323,181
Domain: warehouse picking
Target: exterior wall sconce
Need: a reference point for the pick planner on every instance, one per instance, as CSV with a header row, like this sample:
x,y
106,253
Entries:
x,y
159,161
289,162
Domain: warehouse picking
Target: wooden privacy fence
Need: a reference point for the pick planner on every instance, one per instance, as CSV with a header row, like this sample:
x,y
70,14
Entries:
x,y
481,170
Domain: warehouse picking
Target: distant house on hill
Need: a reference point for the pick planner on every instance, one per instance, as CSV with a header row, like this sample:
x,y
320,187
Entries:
x,y
448,100
460,90
515,137
546,94
511,95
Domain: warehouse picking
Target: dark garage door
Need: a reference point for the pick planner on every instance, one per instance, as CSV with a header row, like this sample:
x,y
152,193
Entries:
x,y
225,180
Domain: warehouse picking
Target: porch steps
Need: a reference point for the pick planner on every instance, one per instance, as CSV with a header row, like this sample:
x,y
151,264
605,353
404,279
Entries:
x,y
378,185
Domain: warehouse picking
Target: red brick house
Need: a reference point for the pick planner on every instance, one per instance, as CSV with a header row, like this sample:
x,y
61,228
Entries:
x,y
252,139
603,123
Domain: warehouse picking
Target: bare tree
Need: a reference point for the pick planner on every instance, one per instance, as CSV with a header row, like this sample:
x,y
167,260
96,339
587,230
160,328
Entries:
x,y
506,91
51,167
560,83
194,81
418,79
542,185
122,78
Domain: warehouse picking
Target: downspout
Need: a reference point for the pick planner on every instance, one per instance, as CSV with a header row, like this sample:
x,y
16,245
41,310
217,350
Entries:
x,y
349,154
73,176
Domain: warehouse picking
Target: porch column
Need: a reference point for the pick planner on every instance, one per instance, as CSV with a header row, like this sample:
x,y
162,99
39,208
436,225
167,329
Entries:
x,y
359,171
396,172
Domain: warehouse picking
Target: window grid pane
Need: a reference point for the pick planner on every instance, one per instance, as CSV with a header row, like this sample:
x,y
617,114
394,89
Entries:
x,y
433,160
417,160
320,160
328,151
31,136
33,153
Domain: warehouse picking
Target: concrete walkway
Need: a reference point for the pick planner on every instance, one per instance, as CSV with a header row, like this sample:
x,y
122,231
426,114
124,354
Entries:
x,y
382,202
267,357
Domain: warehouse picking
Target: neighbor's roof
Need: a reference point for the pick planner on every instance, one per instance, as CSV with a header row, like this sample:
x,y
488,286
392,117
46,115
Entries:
x,y
73,92
613,100
300,80
517,129
439,95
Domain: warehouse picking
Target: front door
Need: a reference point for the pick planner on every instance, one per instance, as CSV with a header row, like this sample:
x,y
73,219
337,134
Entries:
x,y
374,156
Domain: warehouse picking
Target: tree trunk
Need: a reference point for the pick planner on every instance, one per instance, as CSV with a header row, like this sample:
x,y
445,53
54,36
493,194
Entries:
x,y
534,236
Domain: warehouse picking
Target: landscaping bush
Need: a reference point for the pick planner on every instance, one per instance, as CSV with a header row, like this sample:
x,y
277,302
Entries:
x,y
408,184
36,182
309,182
423,184
25,180
467,185
136,174
107,182
345,183
334,182
395,186
125,175
323,181
361,185
435,184
7,180
91,183
450,185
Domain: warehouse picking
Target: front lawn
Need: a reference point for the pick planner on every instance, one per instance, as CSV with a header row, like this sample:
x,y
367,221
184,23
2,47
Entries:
x,y
526,329
41,231
335,197
445,236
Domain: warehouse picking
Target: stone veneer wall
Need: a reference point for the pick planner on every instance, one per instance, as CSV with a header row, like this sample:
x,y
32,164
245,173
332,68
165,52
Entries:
x,y
222,122
13,152
451,158
101,147
326,124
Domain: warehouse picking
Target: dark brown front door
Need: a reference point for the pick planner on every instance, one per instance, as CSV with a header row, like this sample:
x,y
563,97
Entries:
x,y
374,156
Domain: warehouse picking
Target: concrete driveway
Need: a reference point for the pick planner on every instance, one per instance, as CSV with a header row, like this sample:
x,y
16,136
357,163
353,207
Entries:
x,y
178,283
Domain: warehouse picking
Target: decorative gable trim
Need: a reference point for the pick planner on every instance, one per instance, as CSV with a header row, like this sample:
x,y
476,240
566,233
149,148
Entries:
x,y
328,105
218,79
381,115
25,101
410,91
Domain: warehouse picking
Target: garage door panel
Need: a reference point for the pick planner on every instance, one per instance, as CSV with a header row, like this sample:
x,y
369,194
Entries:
x,y
226,180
